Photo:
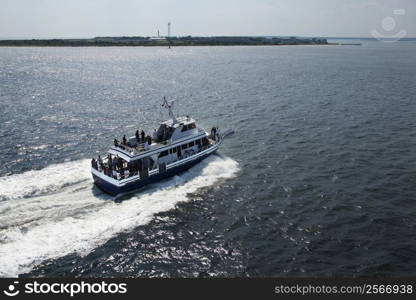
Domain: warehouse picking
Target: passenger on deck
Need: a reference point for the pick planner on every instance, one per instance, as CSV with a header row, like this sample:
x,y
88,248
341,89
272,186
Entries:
x,y
213,132
154,134
149,140
115,143
137,136
124,140
94,163
143,135
100,161
119,163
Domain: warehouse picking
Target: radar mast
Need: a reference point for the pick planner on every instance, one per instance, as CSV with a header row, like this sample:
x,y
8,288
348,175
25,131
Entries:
x,y
169,106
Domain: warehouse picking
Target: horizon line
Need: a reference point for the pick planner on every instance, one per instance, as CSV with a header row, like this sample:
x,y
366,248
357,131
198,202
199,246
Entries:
x,y
116,36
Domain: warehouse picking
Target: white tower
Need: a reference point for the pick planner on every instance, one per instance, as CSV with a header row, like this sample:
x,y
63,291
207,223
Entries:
x,y
168,30
169,34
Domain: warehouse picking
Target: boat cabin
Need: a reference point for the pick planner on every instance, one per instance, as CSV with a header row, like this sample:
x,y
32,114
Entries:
x,y
171,130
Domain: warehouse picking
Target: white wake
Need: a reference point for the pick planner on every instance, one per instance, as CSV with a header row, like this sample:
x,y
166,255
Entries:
x,y
55,211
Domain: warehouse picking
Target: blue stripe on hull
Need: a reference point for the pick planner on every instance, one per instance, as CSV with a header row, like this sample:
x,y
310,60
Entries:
x,y
129,187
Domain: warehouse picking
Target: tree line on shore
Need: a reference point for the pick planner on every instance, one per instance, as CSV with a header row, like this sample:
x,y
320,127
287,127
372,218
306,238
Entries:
x,y
173,41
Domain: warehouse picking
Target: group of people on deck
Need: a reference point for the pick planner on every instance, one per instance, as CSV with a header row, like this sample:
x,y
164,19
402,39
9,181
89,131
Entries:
x,y
116,167
141,138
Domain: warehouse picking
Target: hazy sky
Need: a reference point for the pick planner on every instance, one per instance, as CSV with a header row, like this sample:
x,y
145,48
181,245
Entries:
x,y
89,18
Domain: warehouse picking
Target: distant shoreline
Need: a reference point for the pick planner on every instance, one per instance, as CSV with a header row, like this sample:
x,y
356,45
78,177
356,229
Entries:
x,y
173,41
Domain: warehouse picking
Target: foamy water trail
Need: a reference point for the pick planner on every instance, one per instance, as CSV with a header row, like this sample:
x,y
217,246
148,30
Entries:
x,y
47,180
77,218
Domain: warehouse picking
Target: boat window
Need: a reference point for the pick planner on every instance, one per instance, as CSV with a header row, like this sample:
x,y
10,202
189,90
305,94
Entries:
x,y
163,153
184,146
164,133
184,128
191,126
174,150
198,142
191,144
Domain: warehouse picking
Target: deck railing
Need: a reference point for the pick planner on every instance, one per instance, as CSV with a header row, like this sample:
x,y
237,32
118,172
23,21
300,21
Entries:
x,y
105,169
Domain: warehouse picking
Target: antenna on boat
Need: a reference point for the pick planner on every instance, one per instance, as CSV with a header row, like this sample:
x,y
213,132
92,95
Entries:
x,y
169,106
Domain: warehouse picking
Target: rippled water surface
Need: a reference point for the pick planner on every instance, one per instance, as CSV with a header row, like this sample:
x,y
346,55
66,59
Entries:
x,y
319,179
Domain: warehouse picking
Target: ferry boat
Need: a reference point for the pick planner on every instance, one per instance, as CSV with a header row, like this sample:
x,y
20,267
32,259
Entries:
x,y
139,160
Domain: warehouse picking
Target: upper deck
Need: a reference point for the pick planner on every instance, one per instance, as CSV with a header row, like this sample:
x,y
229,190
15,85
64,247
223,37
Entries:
x,y
172,132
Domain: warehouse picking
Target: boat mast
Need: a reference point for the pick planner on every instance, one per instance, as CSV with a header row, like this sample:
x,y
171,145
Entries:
x,y
169,106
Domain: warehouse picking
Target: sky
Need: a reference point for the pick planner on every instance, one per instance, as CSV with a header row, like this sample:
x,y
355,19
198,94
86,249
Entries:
x,y
309,18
